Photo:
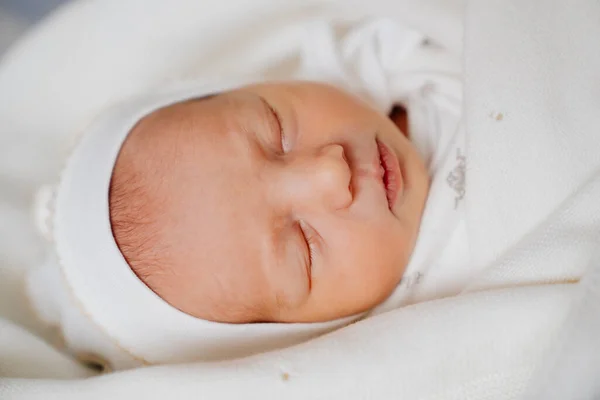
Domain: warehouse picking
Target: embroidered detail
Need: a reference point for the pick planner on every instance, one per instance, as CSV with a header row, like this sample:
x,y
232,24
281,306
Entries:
x,y
412,280
456,178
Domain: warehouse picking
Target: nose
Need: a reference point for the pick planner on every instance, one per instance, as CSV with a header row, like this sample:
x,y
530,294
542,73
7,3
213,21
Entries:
x,y
318,179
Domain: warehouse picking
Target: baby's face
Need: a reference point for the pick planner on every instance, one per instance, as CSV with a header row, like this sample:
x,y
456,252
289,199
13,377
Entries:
x,y
289,202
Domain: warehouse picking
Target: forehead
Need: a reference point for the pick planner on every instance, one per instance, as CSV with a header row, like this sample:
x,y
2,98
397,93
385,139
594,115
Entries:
x,y
213,215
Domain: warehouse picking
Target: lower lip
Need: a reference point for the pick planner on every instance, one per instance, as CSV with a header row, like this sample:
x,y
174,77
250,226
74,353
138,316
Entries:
x,y
392,178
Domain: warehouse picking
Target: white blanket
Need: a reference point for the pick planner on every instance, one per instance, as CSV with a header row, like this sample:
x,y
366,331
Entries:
x,y
533,196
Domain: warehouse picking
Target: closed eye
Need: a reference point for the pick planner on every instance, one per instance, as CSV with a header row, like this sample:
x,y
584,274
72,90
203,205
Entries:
x,y
310,239
283,141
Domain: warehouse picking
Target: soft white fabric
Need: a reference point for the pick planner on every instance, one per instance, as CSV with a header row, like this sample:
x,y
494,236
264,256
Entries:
x,y
481,358
29,356
531,95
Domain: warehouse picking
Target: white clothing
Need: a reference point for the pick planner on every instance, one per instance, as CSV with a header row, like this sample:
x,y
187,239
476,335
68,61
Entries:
x,y
439,265
485,343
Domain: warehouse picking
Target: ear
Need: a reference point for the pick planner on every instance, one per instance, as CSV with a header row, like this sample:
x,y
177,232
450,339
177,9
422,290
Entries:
x,y
399,116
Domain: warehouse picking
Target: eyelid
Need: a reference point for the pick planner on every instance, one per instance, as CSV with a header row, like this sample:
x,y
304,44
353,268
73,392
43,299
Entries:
x,y
310,237
283,139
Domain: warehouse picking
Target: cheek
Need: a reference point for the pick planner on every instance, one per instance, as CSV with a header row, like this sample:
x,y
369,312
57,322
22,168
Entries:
x,y
368,260
290,278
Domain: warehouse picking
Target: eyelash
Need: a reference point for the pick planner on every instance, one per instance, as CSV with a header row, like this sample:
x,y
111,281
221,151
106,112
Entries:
x,y
310,242
282,137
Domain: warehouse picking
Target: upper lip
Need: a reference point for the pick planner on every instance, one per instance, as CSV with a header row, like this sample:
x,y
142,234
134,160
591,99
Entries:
x,y
391,174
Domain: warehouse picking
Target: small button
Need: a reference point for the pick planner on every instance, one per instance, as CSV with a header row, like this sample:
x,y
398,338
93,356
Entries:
x,y
94,362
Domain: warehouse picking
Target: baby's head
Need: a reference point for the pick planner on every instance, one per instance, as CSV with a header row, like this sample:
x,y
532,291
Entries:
x,y
283,202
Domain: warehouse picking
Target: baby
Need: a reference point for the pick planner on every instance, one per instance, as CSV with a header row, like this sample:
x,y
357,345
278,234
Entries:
x,y
275,202
216,222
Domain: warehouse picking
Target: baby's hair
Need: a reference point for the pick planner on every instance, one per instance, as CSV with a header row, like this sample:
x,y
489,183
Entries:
x,y
134,201
136,209
132,223
134,230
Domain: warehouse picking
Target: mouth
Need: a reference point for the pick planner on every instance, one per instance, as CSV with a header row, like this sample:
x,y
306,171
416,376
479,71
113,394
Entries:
x,y
391,175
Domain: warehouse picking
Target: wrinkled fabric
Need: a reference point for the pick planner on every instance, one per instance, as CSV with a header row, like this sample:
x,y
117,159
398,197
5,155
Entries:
x,y
531,94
